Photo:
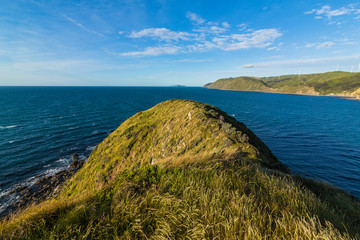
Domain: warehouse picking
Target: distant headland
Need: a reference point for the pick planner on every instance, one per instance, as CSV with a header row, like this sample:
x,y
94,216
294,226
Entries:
x,y
344,84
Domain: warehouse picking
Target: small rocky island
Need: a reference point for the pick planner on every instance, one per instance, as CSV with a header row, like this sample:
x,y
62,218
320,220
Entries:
x,y
183,170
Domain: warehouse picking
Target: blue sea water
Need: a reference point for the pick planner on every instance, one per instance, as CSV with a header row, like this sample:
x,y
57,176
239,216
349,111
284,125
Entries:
x,y
41,127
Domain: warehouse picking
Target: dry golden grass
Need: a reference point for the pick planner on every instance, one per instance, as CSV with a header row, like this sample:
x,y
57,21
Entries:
x,y
227,185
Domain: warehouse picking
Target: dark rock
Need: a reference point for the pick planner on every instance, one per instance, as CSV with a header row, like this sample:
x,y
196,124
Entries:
x,y
44,188
16,190
76,162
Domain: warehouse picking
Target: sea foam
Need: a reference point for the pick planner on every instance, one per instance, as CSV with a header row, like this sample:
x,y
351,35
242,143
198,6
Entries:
x,y
10,126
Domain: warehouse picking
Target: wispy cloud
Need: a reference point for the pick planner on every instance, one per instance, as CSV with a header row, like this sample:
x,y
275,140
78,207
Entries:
x,y
81,25
210,35
320,45
195,18
297,62
326,11
225,25
242,26
53,65
194,60
162,34
257,39
153,51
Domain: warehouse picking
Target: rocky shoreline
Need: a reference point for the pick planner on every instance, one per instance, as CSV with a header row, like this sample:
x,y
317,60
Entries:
x,y
44,188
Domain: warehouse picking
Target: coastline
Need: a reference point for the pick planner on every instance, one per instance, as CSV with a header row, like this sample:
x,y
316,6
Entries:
x,y
157,171
289,93
44,188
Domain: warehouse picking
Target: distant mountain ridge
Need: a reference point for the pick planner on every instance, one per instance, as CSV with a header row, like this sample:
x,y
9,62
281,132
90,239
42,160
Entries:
x,y
327,84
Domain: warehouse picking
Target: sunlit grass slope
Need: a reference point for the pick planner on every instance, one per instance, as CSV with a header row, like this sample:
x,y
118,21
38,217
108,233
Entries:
x,y
329,83
186,170
240,84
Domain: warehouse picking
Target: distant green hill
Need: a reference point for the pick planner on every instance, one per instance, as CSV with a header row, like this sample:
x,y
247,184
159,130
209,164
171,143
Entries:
x,y
240,83
329,83
187,170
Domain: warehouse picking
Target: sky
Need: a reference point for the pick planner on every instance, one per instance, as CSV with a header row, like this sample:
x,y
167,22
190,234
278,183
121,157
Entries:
x,y
168,42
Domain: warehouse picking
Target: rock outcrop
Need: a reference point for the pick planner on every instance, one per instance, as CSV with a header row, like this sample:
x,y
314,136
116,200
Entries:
x,y
44,188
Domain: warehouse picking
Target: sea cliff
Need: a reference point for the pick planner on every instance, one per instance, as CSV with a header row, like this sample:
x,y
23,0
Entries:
x,y
185,169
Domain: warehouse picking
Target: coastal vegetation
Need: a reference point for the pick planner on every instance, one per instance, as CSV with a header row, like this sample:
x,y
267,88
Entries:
x,y
329,83
186,170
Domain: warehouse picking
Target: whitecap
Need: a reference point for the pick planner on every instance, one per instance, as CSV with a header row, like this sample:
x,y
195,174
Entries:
x,y
63,160
10,200
11,142
51,172
90,148
10,126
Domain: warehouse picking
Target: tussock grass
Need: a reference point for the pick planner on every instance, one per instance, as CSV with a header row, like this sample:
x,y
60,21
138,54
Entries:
x,y
221,200
225,184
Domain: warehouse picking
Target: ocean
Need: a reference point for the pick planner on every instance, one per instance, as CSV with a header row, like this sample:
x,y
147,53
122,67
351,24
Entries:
x,y
42,127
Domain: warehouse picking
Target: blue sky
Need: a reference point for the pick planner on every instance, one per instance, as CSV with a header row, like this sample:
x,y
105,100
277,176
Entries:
x,y
161,43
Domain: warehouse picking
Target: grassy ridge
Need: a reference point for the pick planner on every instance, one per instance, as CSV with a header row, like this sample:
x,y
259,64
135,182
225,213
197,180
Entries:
x,y
330,83
240,83
168,174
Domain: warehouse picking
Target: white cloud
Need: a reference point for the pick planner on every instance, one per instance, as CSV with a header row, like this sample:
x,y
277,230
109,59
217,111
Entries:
x,y
299,62
257,39
210,30
320,45
242,26
153,51
162,34
195,18
216,29
326,11
210,35
225,25
194,60
273,48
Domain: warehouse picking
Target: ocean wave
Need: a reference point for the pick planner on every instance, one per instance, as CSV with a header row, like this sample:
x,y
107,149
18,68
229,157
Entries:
x,y
10,200
90,148
64,160
53,171
8,197
10,126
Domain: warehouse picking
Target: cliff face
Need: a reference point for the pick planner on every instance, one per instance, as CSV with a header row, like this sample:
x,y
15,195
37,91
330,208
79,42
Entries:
x,y
328,84
184,169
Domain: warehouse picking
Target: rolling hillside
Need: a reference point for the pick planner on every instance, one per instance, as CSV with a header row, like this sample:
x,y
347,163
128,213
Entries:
x,y
330,83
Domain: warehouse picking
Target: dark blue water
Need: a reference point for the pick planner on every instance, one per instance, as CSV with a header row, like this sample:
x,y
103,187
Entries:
x,y
41,127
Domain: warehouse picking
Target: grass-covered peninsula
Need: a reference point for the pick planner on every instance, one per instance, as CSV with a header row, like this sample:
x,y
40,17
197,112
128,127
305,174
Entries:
x,y
186,170
330,83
